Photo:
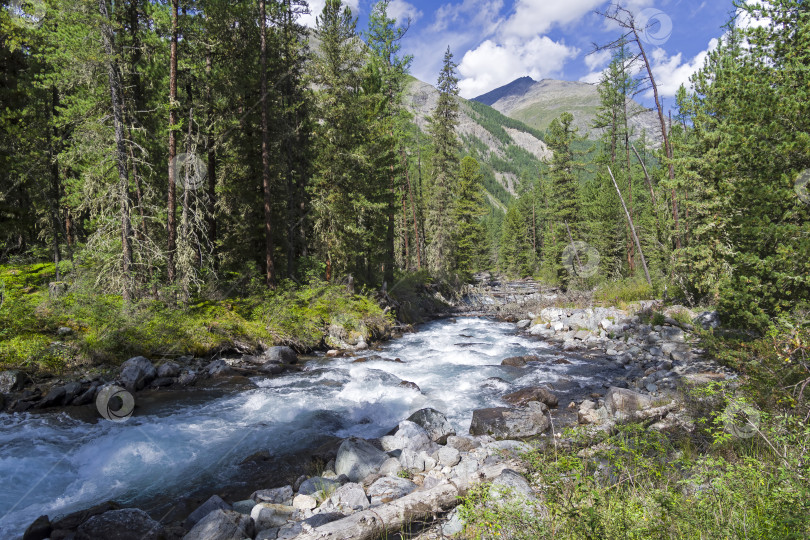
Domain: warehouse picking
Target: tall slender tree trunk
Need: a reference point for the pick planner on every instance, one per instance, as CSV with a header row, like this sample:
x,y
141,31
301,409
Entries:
x,y
172,202
56,190
664,133
413,211
212,160
632,228
270,275
120,150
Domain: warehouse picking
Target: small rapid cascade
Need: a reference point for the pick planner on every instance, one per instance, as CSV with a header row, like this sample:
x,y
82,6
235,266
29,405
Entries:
x,y
54,464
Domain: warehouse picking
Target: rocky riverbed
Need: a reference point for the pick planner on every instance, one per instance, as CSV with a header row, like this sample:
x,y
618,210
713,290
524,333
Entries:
x,y
483,387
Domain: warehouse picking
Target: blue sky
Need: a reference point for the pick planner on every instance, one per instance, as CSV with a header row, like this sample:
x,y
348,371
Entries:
x,y
497,41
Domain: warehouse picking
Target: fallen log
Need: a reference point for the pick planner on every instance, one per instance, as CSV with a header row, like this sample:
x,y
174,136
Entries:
x,y
388,518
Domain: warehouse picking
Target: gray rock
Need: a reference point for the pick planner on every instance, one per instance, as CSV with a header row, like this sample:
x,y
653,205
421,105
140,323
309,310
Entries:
x,y
462,443
282,495
533,393
453,523
168,369
708,320
12,380
270,534
510,484
304,502
391,467
389,488
316,484
514,361
214,503
624,401
244,507
63,331
412,461
408,435
524,324
281,355
54,398
125,524
449,456
511,423
218,368
582,335
680,356
222,525
72,389
40,529
346,499
187,378
357,458
435,423
136,373
269,515
672,333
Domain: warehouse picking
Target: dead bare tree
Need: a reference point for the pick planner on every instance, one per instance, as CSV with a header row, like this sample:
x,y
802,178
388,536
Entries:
x,y
632,31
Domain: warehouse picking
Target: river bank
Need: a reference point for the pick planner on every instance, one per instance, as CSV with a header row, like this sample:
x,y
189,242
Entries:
x,y
520,367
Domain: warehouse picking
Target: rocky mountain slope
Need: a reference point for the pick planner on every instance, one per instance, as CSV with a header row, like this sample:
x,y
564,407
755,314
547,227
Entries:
x,y
506,149
538,103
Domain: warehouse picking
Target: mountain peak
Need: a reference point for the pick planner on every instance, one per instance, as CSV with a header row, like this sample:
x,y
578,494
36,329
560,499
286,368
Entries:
x,y
514,88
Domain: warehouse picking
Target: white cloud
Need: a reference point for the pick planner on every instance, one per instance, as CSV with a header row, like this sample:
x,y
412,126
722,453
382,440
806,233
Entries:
x,y
533,17
316,7
598,59
492,64
402,11
672,71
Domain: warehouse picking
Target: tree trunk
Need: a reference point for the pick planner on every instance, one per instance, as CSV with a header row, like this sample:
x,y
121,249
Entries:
x,y
632,228
270,276
172,202
212,161
413,212
664,134
120,150
55,187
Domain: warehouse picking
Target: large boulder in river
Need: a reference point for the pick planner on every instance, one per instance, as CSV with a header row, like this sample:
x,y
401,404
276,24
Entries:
x,y
136,373
511,423
357,458
213,503
280,355
621,401
125,524
514,361
222,525
435,423
533,393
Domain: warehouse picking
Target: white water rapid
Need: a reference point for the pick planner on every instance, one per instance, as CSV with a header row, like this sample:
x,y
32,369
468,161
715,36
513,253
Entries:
x,y
54,464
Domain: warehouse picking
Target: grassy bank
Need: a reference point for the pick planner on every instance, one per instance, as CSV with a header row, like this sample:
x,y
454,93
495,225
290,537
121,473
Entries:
x,y
742,471
101,329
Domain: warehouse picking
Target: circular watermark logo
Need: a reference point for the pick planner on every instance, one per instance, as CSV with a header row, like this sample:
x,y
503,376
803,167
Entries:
x,y
581,259
801,186
654,26
114,403
27,13
189,169
741,419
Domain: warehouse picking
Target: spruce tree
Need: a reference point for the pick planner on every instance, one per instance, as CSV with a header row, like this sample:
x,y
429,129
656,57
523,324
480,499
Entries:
x,y
445,146
467,213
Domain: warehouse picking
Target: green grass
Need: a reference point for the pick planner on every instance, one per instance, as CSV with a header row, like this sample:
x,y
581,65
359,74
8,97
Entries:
x,y
103,330
616,293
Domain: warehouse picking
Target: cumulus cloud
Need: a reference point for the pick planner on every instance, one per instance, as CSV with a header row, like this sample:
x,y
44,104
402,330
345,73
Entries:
x,y
402,11
532,17
316,7
673,71
492,64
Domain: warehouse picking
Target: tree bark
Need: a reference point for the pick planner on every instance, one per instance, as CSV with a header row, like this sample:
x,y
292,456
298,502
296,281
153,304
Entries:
x,y
632,228
212,160
120,150
664,134
270,275
172,202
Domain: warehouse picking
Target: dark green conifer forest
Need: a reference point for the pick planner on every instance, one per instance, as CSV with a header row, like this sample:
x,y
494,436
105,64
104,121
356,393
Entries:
x,y
161,155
